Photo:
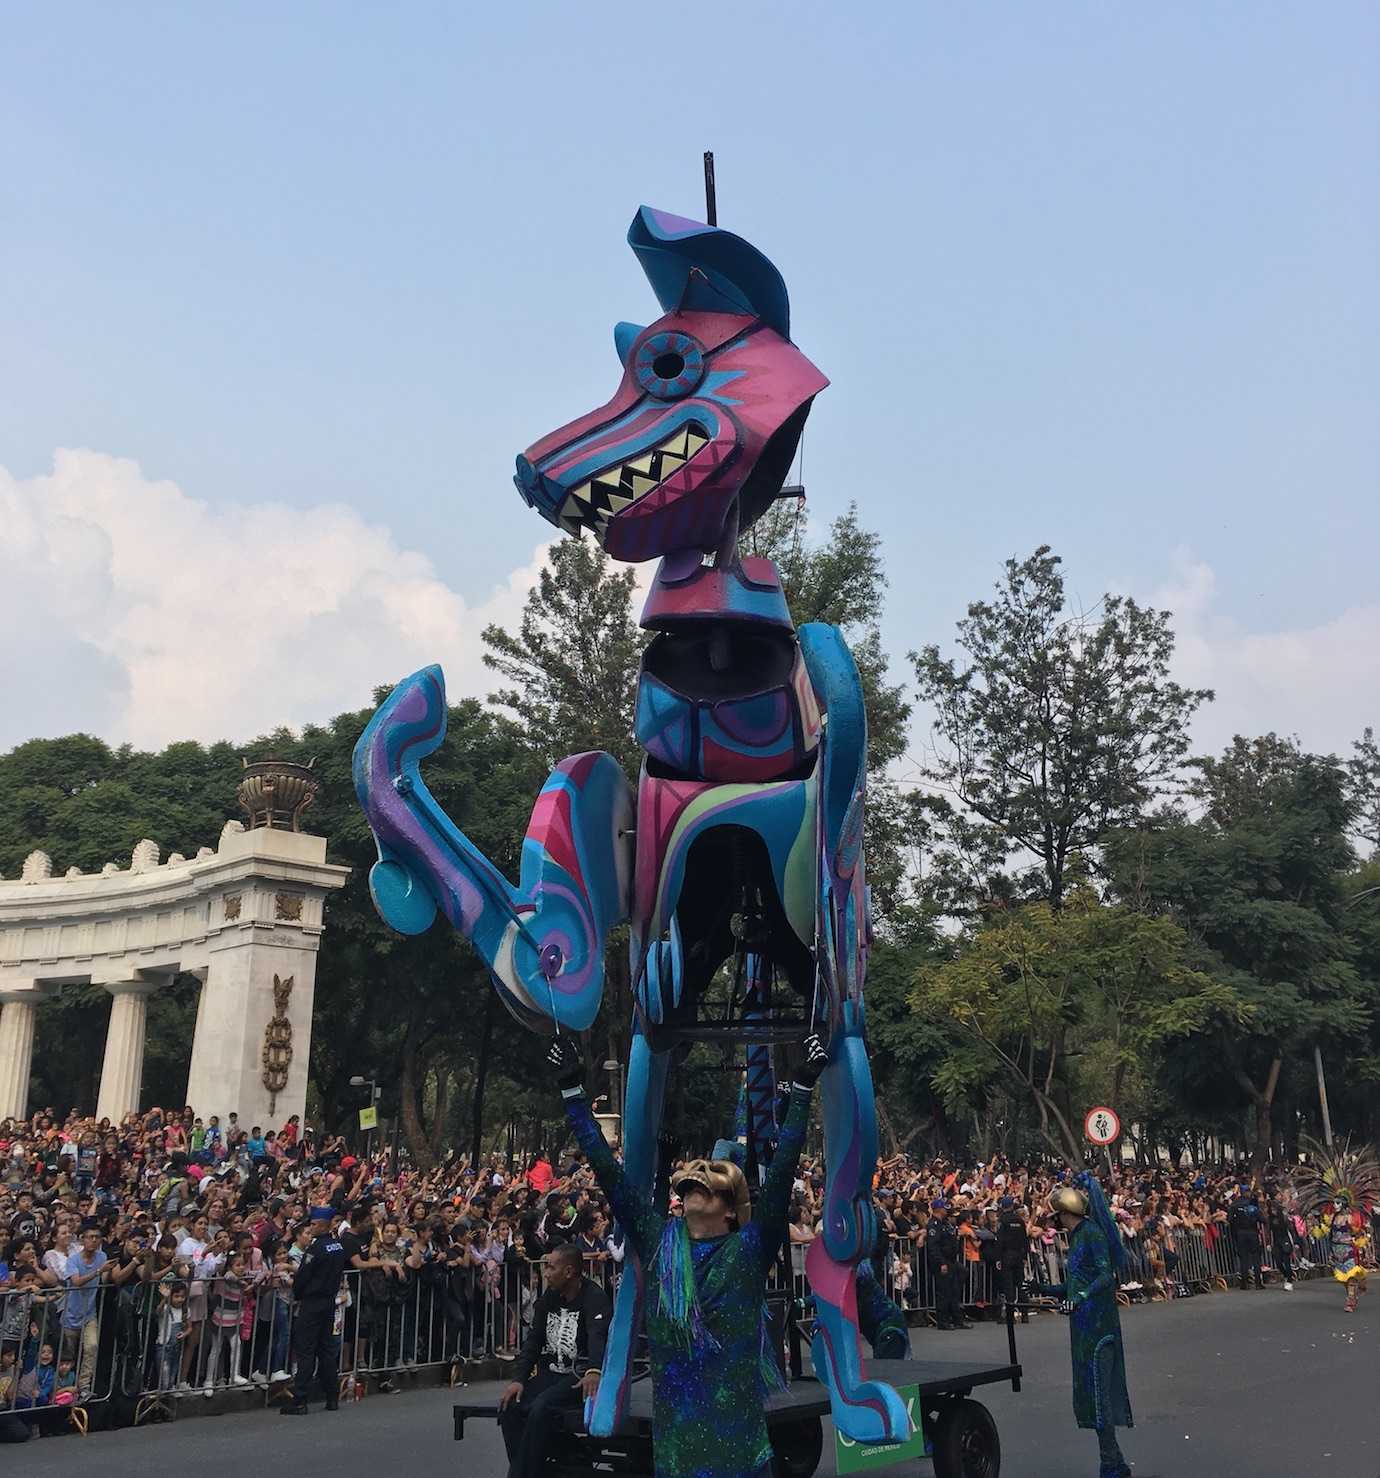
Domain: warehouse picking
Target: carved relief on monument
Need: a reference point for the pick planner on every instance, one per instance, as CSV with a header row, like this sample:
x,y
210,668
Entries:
x,y
288,906
231,904
277,1053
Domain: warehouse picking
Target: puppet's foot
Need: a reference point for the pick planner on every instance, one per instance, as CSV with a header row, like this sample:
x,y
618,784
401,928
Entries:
x,y
863,1410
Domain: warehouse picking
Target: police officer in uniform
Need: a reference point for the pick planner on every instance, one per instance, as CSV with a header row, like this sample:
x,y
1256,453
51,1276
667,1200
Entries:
x,y
1244,1221
315,1286
945,1259
1013,1247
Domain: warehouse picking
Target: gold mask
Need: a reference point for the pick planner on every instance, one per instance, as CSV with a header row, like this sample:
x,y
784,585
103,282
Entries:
x,y
719,1178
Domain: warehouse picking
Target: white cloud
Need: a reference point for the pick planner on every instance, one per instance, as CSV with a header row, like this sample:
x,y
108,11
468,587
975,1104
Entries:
x,y
130,610
1320,682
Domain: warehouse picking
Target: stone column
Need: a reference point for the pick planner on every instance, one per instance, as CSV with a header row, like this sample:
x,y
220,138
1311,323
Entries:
x,y
17,1019
122,1072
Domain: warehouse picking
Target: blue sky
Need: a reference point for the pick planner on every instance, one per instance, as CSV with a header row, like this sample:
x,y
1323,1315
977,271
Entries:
x,y
1102,277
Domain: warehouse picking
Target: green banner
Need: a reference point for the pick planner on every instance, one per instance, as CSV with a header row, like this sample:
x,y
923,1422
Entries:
x,y
369,1118
863,1457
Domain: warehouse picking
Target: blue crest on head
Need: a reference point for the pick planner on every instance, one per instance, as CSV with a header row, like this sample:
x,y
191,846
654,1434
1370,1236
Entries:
x,y
624,337
702,269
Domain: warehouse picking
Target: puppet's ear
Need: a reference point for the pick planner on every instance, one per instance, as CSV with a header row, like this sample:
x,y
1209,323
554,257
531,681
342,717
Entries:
x,y
702,269
624,337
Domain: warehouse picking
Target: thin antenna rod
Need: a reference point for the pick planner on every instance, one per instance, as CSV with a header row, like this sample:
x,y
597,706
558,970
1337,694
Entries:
x,y
711,204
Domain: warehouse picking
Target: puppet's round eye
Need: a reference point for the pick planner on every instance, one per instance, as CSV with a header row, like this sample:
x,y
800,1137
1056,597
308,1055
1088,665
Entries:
x,y
669,365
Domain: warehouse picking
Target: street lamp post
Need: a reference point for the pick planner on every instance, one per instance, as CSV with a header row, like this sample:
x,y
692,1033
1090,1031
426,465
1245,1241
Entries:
x,y
372,1084
614,1069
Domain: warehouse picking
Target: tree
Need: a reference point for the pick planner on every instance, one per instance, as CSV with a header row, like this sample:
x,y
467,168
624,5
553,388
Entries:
x,y
906,1049
842,581
1056,727
86,804
1363,773
1355,1090
571,667
1256,880
1036,986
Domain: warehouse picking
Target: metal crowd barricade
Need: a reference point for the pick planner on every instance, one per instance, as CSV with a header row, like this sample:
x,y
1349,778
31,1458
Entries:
x,y
51,1366
130,1347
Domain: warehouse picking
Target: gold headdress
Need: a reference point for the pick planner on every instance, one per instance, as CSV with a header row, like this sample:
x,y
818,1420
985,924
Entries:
x,y
1069,1198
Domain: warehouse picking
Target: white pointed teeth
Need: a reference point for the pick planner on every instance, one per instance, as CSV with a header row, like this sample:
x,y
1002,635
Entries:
x,y
595,502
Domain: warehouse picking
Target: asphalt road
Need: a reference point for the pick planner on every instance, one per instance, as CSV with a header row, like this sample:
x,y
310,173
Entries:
x,y
1249,1384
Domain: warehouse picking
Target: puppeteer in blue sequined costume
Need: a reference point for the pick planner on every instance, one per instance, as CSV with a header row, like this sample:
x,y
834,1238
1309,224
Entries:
x,y
1100,1398
705,1329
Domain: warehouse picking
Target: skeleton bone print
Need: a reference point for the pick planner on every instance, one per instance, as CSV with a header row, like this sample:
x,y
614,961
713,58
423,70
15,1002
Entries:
x,y
562,1333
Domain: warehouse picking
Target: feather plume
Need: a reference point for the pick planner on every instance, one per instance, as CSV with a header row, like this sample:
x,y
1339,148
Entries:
x,y
1338,1173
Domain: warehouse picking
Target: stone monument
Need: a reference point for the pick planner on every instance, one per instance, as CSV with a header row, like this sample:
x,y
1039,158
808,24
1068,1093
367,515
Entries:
x,y
246,919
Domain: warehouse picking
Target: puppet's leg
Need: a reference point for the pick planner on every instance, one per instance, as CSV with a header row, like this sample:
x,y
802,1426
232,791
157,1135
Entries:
x,y
759,1087
866,1411
863,1410
543,941
642,1108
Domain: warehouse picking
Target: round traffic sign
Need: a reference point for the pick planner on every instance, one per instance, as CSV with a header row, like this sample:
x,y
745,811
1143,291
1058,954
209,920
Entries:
x,y
1102,1125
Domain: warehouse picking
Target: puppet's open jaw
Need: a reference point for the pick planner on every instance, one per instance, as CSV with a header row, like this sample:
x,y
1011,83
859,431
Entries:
x,y
674,460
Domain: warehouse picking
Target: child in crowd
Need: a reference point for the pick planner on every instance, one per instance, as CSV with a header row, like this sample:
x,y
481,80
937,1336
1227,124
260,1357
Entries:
x,y
36,1387
65,1386
171,1332
229,1291
281,1301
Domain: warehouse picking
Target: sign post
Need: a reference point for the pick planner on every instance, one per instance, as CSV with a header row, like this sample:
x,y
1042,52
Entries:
x,y
1103,1127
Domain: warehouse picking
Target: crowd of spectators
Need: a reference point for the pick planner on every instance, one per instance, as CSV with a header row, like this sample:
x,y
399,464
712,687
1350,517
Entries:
x,y
1239,1222
169,1242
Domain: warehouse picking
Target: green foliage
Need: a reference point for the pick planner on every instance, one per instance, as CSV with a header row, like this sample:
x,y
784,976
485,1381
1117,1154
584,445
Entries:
x,y
907,1049
842,581
1363,786
1034,986
1055,727
572,664
86,804
1256,878
1237,932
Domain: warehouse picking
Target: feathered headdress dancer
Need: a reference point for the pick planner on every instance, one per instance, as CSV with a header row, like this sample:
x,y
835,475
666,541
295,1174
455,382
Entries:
x,y
1338,1176
1101,1213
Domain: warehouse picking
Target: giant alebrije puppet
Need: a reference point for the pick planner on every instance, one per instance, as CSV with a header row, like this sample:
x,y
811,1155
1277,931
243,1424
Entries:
x,y
742,853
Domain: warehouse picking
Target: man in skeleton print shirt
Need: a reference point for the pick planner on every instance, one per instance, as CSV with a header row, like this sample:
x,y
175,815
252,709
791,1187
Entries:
x,y
558,1364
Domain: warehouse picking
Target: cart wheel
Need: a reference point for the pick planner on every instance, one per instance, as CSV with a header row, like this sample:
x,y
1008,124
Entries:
x,y
797,1448
966,1444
